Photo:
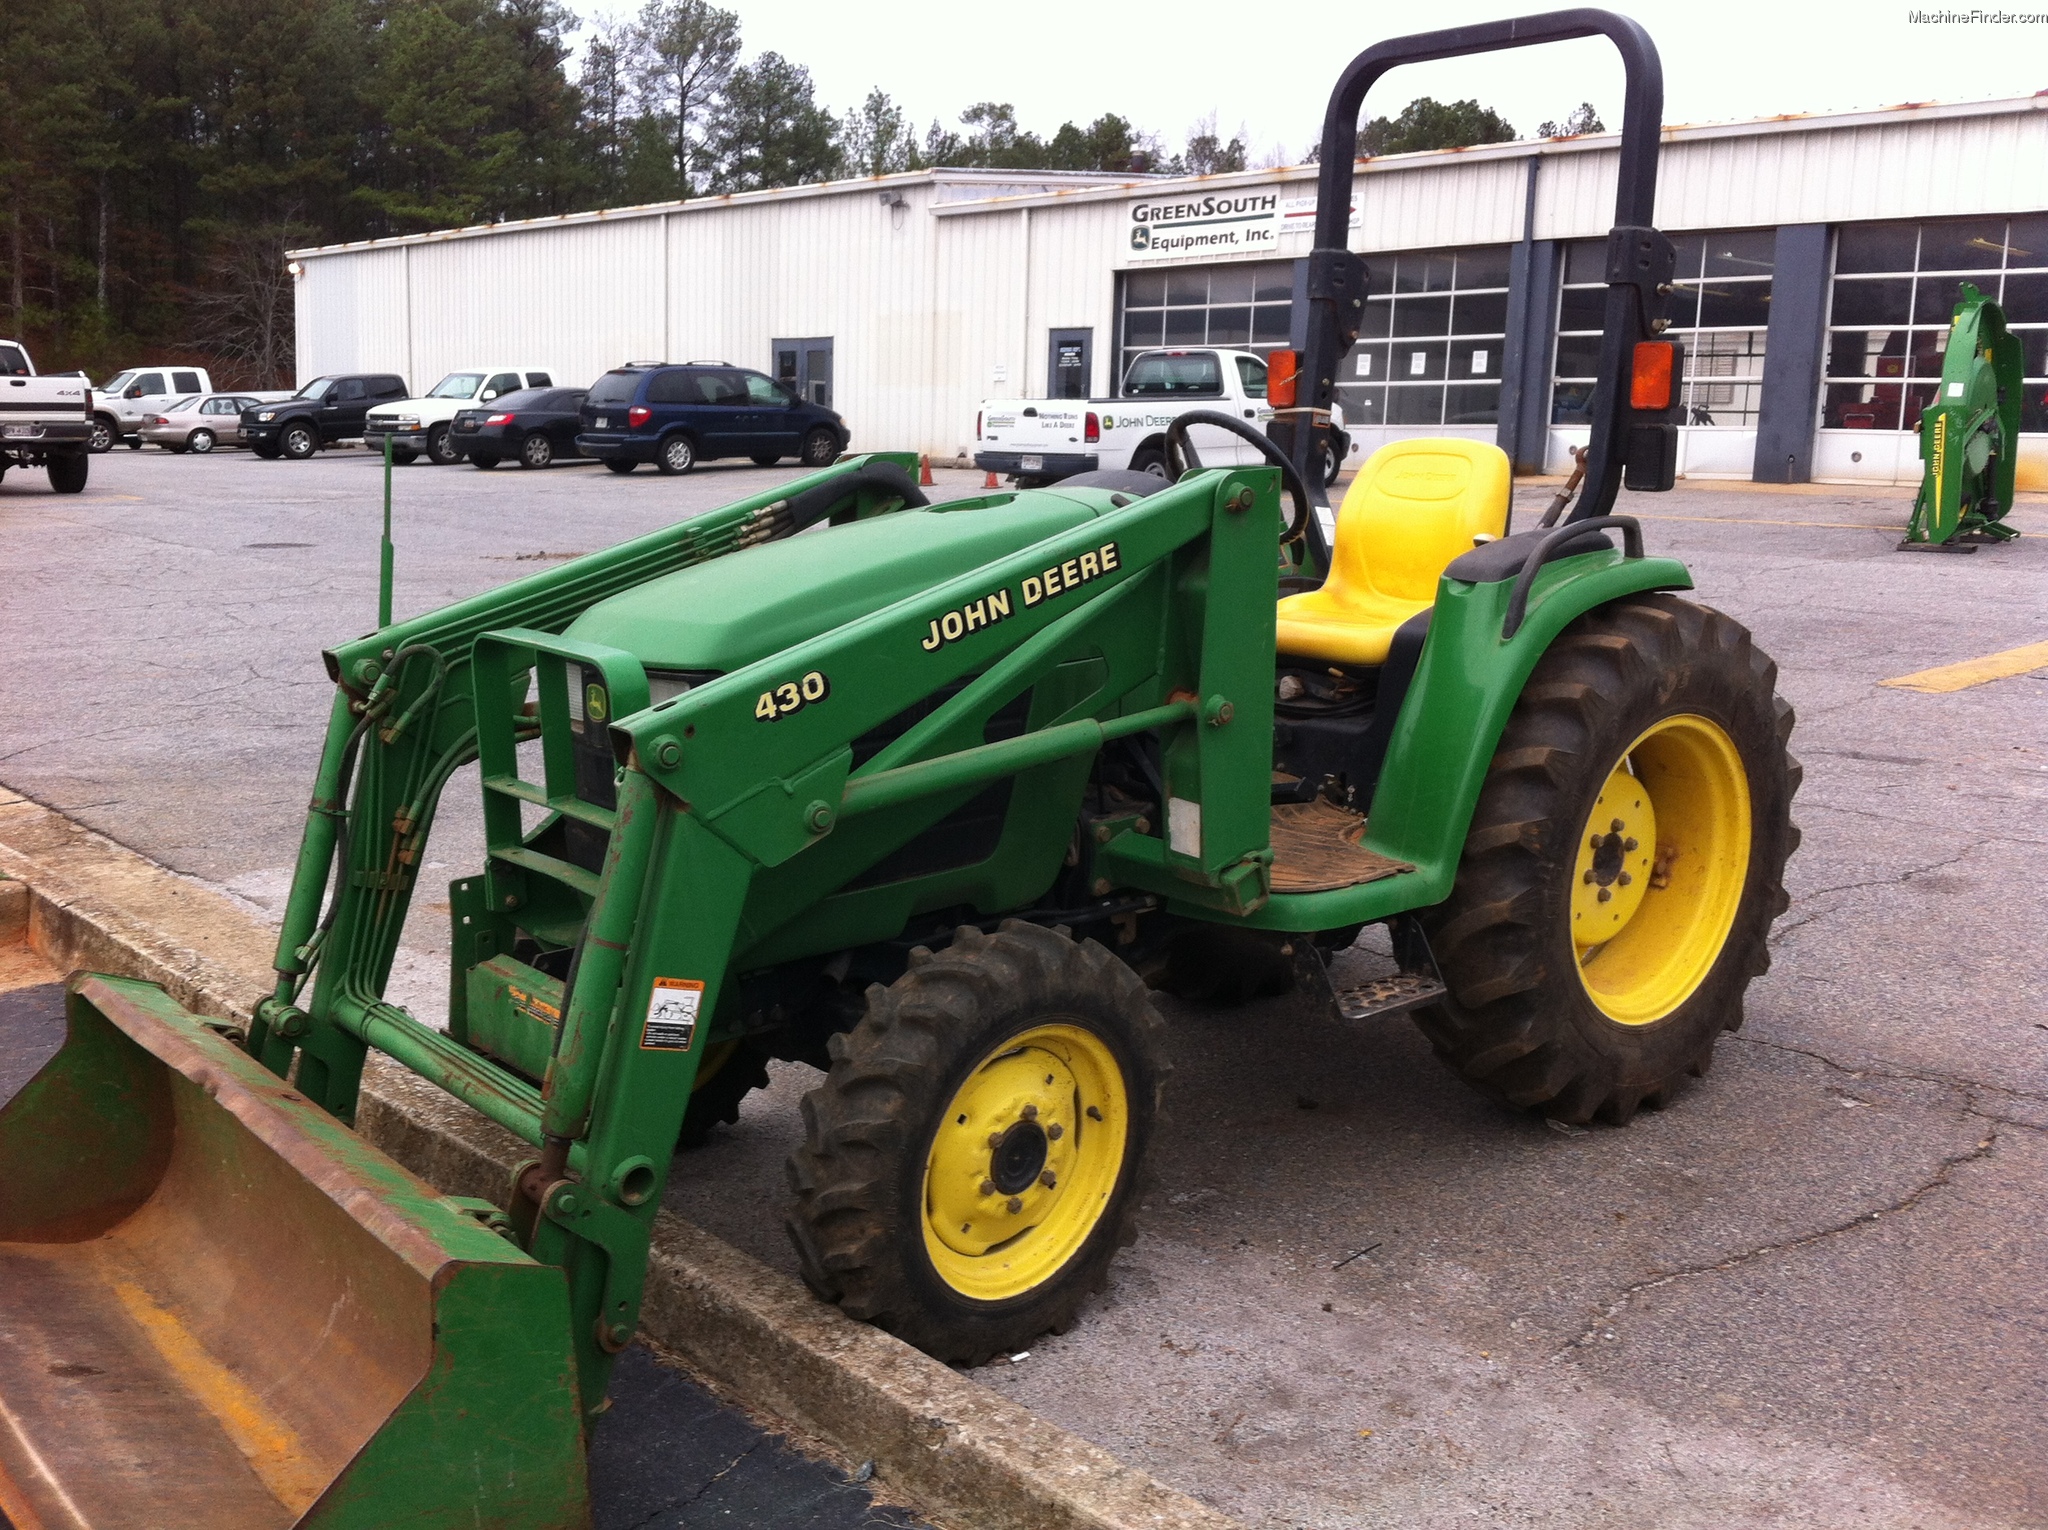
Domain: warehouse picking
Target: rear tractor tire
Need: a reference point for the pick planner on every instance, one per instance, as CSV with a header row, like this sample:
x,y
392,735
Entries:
x,y
974,1159
1625,862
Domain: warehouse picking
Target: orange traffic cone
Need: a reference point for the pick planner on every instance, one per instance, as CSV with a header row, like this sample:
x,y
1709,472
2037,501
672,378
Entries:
x,y
924,472
989,480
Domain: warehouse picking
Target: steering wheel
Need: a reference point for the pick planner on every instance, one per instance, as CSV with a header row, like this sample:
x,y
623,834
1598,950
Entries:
x,y
1181,456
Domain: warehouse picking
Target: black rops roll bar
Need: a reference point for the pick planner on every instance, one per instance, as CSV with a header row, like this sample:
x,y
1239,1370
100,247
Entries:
x,y
1639,259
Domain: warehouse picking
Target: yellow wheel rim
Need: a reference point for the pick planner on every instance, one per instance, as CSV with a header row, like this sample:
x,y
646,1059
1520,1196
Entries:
x,y
714,1060
1660,870
1024,1162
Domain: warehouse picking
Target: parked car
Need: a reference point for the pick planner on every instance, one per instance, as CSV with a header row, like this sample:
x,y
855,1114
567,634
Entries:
x,y
1042,440
417,425
127,399
200,423
678,416
45,422
532,427
326,410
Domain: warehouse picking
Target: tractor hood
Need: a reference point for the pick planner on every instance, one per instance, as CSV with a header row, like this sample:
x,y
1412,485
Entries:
x,y
736,610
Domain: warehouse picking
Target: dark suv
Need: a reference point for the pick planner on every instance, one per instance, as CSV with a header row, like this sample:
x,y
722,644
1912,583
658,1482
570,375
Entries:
x,y
678,416
326,410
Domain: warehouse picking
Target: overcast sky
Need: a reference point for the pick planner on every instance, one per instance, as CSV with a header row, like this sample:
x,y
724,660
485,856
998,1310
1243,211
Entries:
x,y
1166,63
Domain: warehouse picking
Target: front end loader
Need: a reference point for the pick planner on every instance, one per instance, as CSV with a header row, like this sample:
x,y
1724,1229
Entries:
x,y
932,798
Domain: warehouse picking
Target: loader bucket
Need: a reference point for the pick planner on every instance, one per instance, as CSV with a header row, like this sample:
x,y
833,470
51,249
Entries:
x,y
219,1307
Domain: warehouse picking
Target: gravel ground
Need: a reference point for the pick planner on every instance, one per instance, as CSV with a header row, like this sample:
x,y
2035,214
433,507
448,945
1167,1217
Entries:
x,y
1806,1294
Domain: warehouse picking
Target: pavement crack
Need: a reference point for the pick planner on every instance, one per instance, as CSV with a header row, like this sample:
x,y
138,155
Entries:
x,y
724,1471
1943,1172
1968,1086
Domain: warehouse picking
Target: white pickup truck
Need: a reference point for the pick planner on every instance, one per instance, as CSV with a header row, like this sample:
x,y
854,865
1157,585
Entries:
x,y
1042,440
128,399
417,425
45,422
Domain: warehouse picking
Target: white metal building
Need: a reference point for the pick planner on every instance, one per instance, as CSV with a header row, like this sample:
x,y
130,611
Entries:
x,y
1819,259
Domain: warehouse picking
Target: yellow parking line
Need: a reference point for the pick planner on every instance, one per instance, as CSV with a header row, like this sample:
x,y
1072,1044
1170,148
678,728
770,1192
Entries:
x,y
1960,677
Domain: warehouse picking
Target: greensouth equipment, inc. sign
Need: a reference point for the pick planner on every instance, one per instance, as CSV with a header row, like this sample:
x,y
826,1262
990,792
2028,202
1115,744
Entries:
x,y
1218,223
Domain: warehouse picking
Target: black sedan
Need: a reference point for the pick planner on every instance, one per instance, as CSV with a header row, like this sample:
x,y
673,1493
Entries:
x,y
532,427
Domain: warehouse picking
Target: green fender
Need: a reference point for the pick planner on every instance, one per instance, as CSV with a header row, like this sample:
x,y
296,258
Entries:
x,y
1466,684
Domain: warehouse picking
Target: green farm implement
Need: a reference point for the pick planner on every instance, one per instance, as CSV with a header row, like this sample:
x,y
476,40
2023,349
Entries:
x,y
932,798
1969,435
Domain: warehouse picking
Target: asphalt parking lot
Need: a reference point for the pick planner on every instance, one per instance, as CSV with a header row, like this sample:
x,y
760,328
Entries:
x,y
1808,1293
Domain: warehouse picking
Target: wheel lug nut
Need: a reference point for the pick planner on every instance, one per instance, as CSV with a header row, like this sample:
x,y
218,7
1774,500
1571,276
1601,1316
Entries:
x,y
1029,1112
1016,1204
1588,878
988,1187
1054,1132
1593,843
1048,1179
1624,879
1606,893
1615,826
1628,844
995,1139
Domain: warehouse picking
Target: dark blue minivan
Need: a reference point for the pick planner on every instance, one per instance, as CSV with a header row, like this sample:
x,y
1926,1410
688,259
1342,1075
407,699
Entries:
x,y
678,416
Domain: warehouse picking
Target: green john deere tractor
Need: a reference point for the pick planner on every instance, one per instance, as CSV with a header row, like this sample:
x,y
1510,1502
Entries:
x,y
927,796
1969,435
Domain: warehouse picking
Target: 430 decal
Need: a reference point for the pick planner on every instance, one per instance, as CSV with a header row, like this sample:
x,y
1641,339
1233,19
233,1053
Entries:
x,y
793,696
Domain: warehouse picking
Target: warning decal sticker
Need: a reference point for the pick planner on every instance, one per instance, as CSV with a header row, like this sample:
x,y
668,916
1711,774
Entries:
x,y
672,1014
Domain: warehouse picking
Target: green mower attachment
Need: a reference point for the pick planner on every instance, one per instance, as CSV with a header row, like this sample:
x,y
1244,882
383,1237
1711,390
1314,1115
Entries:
x,y
1969,435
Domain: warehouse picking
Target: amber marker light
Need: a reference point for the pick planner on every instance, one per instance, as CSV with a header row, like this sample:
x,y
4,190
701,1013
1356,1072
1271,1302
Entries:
x,y
1649,382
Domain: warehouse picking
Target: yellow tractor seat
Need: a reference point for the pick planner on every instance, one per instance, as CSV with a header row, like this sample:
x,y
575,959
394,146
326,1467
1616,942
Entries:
x,y
1413,507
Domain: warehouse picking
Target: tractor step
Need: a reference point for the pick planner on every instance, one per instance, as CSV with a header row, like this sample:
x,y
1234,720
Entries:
x,y
1391,995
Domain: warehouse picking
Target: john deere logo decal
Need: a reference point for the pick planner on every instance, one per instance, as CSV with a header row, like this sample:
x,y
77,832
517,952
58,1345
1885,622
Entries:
x,y
594,702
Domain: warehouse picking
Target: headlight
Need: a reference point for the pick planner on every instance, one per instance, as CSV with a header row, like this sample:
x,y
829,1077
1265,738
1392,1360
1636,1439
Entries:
x,y
666,687
268,414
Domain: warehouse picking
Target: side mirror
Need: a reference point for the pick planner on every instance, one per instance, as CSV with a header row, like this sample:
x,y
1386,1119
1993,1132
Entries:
x,y
489,394
135,392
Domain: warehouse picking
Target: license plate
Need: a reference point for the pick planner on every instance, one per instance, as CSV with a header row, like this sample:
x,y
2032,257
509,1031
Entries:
x,y
20,431
1031,464
604,422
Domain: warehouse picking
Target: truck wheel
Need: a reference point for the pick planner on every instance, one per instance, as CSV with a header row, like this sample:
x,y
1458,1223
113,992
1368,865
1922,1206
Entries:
x,y
267,452
403,456
820,448
68,473
618,465
102,438
971,1164
1149,459
729,1073
1625,861
485,460
440,451
298,442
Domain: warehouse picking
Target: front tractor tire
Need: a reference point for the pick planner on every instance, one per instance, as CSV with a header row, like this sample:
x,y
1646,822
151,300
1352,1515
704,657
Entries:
x,y
1625,861
973,1161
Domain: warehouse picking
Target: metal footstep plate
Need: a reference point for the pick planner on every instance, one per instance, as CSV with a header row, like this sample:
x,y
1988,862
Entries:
x,y
1387,996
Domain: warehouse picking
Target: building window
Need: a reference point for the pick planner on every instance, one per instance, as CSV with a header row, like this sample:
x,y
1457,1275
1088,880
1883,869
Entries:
x,y
1249,305
1893,295
1720,311
1429,351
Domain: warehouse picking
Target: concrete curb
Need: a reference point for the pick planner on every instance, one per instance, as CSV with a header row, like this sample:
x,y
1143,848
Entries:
x,y
962,1453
